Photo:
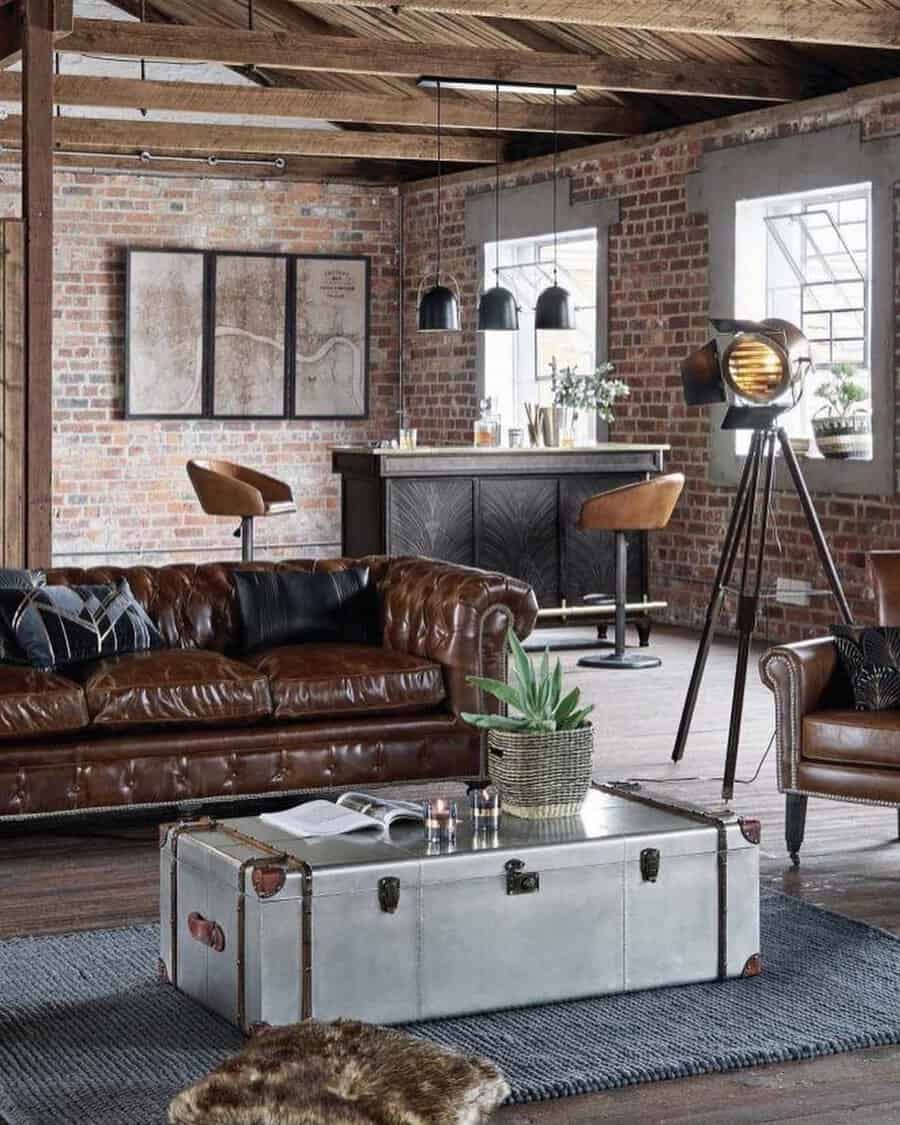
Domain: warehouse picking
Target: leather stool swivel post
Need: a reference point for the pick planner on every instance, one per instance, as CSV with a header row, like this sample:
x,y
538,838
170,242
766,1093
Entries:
x,y
226,489
646,505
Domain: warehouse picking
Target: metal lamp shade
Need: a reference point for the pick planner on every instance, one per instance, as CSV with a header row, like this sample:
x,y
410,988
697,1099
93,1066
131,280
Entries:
x,y
554,309
701,376
439,310
497,311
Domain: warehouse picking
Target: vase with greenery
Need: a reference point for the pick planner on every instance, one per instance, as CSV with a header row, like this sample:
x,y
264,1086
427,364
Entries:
x,y
540,750
576,394
842,426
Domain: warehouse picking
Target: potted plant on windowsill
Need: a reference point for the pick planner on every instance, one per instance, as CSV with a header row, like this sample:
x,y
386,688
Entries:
x,y
539,753
842,427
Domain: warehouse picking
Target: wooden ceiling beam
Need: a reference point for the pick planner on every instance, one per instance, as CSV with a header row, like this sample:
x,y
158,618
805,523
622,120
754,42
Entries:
x,y
795,21
320,105
345,55
165,137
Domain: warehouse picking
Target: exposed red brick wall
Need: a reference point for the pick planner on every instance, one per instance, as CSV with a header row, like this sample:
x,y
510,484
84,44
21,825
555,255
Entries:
x,y
121,486
658,300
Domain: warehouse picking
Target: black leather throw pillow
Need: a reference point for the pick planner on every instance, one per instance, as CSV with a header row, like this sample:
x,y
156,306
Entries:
x,y
56,626
871,659
10,579
287,607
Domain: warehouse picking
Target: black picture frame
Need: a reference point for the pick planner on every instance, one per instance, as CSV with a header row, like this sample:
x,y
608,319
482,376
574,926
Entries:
x,y
367,305
208,296
133,411
287,332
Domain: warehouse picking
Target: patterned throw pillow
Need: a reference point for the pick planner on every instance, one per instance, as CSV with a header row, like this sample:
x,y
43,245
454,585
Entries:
x,y
871,659
60,625
10,579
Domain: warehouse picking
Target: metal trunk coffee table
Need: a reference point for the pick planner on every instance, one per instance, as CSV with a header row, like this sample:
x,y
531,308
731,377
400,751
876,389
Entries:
x,y
268,928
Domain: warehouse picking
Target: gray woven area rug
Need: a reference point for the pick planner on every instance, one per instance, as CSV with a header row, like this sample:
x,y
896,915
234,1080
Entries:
x,y
87,1034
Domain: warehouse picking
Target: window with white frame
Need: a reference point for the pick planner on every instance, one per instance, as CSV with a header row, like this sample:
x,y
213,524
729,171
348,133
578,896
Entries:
x,y
519,366
807,258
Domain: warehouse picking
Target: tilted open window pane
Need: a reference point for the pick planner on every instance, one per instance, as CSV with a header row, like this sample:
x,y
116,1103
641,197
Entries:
x,y
806,258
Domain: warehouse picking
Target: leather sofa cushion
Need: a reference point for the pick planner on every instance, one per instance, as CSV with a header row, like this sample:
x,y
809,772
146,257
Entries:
x,y
859,738
312,680
38,703
180,686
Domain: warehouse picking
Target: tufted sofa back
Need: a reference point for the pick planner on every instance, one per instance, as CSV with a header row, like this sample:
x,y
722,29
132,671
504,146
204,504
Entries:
x,y
196,606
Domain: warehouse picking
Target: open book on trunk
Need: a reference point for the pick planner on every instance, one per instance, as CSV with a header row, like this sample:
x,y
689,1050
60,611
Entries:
x,y
352,812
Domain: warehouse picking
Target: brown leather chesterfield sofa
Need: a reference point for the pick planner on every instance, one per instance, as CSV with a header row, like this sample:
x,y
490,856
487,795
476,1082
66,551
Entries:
x,y
825,747
195,721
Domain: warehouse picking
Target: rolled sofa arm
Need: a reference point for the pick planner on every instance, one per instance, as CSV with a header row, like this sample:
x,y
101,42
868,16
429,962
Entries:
x,y
458,617
803,678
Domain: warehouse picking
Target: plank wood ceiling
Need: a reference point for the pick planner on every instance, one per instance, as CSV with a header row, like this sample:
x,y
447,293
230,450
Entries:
x,y
640,65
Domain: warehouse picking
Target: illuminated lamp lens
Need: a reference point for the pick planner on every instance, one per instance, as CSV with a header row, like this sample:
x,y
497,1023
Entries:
x,y
756,369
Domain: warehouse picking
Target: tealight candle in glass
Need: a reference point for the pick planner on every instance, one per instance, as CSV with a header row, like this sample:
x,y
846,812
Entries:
x,y
440,821
485,809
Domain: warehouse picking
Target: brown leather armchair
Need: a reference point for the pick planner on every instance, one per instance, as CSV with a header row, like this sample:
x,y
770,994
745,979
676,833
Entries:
x,y
825,747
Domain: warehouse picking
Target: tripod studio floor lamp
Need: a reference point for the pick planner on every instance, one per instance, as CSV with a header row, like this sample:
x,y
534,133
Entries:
x,y
758,368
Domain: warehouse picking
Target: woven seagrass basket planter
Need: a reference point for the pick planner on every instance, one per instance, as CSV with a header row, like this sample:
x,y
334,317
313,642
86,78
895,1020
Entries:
x,y
541,776
844,438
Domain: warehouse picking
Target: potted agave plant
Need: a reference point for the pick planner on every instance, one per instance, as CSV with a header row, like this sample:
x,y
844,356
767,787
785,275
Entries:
x,y
539,752
842,427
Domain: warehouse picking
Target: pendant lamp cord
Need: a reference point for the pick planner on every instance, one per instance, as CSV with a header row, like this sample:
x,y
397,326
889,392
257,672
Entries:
x,y
497,172
555,162
439,184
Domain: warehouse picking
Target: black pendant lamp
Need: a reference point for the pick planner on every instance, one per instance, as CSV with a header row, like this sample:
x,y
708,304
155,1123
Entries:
x,y
438,305
497,309
554,309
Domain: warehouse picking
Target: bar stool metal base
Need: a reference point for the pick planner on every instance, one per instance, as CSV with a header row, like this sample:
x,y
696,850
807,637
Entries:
x,y
623,660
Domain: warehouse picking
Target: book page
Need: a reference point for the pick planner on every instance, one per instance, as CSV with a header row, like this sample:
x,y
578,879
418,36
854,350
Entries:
x,y
381,809
319,818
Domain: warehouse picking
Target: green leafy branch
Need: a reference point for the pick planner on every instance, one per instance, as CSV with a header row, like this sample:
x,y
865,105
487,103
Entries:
x,y
842,393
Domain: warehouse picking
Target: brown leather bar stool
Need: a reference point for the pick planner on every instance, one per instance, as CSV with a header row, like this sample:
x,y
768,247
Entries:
x,y
645,505
226,489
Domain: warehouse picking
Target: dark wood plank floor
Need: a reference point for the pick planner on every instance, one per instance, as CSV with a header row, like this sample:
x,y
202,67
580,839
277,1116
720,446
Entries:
x,y
105,874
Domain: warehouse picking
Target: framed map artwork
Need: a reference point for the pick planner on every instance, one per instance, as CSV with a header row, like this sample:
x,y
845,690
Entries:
x,y
165,337
245,335
249,360
331,347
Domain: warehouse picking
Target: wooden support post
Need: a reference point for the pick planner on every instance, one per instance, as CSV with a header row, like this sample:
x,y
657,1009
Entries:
x,y
12,395
37,210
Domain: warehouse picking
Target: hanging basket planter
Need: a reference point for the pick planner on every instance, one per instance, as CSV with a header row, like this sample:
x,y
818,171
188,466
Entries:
x,y
844,438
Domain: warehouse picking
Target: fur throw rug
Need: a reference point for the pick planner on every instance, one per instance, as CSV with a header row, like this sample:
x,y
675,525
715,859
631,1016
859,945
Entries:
x,y
342,1073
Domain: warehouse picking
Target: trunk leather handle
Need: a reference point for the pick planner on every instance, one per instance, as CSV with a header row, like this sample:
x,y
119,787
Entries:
x,y
206,932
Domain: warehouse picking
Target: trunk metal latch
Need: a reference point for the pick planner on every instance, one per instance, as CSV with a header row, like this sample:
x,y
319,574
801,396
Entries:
x,y
650,865
519,881
389,894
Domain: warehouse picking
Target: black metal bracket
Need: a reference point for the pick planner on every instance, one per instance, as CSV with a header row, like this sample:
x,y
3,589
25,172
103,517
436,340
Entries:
x,y
519,881
389,894
650,865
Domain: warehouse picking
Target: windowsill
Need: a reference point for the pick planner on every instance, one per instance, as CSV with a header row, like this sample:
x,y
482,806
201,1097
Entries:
x,y
822,475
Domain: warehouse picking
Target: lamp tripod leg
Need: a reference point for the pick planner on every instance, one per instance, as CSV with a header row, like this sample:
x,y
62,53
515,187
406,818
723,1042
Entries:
x,y
815,528
748,604
720,582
